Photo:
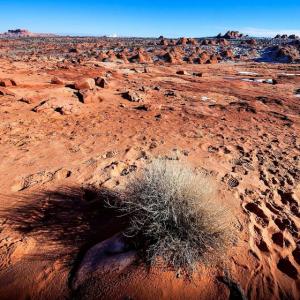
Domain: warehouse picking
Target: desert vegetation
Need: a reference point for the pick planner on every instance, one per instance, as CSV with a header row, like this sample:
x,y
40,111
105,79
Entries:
x,y
175,216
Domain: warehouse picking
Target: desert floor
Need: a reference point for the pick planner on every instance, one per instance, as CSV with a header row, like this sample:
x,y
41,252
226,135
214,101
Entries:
x,y
56,150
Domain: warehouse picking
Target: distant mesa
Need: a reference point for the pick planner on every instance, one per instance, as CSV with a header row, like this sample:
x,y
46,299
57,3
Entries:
x,y
18,33
231,35
285,36
23,33
294,37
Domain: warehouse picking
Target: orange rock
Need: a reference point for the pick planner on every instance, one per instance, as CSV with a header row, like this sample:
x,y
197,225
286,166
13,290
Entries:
x,y
171,58
182,72
102,56
202,59
111,56
213,59
89,96
252,42
123,57
141,57
101,82
7,82
6,92
223,42
192,41
182,41
163,42
228,54
57,80
87,83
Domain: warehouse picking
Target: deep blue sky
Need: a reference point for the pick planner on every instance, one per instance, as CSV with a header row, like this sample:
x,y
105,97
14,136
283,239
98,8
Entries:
x,y
151,18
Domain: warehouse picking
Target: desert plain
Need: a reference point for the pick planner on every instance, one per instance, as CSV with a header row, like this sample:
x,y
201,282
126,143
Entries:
x,y
79,116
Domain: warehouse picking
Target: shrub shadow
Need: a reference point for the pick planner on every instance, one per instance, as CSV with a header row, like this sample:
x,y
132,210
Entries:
x,y
74,217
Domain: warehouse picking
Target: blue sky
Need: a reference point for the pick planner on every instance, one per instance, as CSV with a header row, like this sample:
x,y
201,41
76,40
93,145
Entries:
x,y
151,18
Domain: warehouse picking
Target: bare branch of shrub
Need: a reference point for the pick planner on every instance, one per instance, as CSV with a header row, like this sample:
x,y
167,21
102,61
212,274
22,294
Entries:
x,y
175,216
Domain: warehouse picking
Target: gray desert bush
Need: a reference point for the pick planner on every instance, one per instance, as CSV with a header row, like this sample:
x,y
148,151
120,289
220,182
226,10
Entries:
x,y
175,216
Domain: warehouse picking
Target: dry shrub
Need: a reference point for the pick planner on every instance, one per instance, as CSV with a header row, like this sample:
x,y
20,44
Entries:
x,y
175,216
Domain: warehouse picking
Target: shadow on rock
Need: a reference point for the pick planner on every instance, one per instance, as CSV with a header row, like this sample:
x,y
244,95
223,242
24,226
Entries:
x,y
75,218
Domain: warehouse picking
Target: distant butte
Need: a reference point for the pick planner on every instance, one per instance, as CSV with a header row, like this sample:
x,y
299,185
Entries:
x,y
23,33
231,35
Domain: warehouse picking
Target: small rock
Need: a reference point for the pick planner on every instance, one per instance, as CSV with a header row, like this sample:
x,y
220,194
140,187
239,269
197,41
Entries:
x,y
88,96
145,107
54,105
62,173
144,89
132,96
57,80
111,255
101,82
198,74
5,92
88,83
109,154
170,93
25,100
181,72
7,82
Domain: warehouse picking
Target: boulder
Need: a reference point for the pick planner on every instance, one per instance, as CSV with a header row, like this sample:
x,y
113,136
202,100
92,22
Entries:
x,y
102,56
111,255
287,53
170,93
198,74
190,59
111,56
213,59
207,42
5,92
223,42
227,54
143,107
25,100
132,96
56,106
101,82
163,42
181,72
57,80
88,96
87,83
141,57
122,56
73,50
171,58
192,41
251,42
213,42
7,82
182,41
202,59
